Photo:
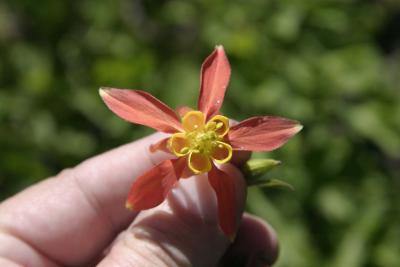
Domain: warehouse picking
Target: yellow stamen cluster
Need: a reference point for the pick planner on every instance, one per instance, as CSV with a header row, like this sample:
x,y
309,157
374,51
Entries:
x,y
202,142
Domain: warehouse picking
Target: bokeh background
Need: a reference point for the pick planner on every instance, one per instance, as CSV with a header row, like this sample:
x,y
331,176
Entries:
x,y
334,65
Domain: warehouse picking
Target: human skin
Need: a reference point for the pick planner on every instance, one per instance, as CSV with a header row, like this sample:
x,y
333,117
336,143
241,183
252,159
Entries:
x,y
78,218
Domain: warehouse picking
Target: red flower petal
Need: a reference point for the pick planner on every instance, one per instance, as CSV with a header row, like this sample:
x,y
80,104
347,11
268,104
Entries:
x,y
262,133
150,189
215,74
160,145
182,110
141,108
225,189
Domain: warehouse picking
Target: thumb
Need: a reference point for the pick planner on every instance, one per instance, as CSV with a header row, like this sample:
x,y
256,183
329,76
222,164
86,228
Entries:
x,y
183,231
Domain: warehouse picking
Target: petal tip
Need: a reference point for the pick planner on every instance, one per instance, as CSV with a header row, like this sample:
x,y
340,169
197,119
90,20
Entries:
x,y
103,91
219,47
298,128
128,205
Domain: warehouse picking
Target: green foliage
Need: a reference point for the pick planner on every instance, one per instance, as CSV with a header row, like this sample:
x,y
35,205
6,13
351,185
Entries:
x,y
332,64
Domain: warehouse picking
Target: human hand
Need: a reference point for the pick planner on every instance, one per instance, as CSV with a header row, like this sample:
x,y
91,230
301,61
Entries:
x,y
78,218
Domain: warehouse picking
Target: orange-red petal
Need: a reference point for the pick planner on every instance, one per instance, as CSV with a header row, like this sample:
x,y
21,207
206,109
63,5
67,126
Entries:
x,y
225,190
142,108
160,145
262,133
215,75
187,172
182,110
150,189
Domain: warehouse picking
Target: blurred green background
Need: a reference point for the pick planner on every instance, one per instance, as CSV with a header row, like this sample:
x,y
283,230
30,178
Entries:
x,y
334,65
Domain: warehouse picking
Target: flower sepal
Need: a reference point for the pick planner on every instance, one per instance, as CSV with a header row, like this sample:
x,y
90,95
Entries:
x,y
272,182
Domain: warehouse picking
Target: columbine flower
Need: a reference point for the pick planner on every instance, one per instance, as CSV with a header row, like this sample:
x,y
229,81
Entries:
x,y
201,140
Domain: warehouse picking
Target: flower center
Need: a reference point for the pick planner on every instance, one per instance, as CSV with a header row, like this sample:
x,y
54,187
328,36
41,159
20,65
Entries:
x,y
201,141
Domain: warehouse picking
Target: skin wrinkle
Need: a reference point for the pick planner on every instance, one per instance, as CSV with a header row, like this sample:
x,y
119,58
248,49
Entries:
x,y
94,203
138,256
103,194
115,241
156,241
137,253
99,217
113,261
149,229
8,231
41,256
160,243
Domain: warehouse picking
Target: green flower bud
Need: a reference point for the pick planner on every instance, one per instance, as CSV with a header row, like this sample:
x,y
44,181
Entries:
x,y
257,167
255,170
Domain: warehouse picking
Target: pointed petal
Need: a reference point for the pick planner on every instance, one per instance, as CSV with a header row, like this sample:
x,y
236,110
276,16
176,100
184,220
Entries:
x,y
182,110
142,108
225,189
262,133
160,145
215,75
150,189
187,172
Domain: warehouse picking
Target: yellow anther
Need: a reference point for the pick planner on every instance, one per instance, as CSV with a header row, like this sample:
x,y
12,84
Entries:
x,y
211,126
184,150
220,125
